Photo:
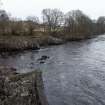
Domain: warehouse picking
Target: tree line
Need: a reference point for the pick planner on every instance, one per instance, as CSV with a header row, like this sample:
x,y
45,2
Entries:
x,y
55,23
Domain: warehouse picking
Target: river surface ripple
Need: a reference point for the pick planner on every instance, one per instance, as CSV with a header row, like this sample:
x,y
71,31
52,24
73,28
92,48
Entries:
x,y
74,73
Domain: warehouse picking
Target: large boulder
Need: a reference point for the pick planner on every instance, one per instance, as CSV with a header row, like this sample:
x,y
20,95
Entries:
x,y
54,41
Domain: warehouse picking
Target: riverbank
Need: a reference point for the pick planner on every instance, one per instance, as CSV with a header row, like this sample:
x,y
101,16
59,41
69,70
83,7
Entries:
x,y
72,69
14,43
19,43
21,89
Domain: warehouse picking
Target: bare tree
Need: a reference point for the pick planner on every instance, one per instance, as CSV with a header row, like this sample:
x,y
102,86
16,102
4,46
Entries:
x,y
32,22
101,20
53,18
101,24
69,22
76,21
16,26
4,21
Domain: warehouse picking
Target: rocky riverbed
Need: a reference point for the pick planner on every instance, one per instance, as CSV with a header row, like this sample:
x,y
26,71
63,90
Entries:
x,y
21,89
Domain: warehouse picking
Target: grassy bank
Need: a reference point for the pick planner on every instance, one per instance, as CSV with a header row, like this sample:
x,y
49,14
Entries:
x,y
26,42
14,43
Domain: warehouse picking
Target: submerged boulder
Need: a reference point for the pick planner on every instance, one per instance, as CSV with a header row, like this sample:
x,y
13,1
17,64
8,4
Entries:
x,y
43,59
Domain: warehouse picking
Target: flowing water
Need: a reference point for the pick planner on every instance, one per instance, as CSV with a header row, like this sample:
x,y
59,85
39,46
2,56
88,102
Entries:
x,y
74,73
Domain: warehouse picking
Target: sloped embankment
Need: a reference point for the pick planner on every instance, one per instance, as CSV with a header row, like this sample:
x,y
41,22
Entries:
x,y
18,43
21,89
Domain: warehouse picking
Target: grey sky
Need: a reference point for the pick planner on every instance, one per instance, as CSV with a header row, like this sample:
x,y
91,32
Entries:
x,y
24,8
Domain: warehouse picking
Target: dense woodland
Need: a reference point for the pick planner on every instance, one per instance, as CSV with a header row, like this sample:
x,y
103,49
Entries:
x,y
55,23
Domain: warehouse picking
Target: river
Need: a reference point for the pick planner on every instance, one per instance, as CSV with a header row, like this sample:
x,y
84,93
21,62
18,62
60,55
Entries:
x,y
74,73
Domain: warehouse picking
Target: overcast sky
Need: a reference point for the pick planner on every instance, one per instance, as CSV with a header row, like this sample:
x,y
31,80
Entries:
x,y
24,8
